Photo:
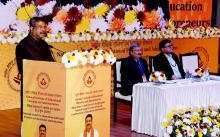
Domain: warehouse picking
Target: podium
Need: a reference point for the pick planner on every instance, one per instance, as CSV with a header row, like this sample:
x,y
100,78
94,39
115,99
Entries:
x,y
57,100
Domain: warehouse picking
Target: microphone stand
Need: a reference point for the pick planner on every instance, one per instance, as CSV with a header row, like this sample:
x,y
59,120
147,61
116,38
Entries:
x,y
62,52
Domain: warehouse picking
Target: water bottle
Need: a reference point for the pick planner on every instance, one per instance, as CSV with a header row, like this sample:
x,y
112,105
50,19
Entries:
x,y
207,75
188,74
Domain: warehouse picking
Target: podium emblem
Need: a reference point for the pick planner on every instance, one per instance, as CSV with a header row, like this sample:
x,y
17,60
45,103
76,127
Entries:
x,y
43,80
89,78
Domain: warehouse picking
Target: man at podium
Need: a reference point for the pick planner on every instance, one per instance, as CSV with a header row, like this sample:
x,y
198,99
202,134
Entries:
x,y
33,47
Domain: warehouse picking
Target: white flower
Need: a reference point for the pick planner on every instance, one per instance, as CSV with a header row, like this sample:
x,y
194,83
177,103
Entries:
x,y
179,135
206,120
157,73
204,131
169,129
214,113
75,37
56,27
138,7
7,14
98,24
131,27
190,132
178,122
46,9
187,115
214,134
187,121
166,135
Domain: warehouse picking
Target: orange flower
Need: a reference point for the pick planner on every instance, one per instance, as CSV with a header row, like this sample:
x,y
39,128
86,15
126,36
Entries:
x,y
151,21
4,32
61,16
89,13
117,25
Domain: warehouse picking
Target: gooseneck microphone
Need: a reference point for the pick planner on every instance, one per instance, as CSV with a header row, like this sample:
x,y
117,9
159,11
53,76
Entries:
x,y
50,46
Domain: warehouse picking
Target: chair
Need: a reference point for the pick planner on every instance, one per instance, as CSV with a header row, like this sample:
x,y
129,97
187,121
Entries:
x,y
117,87
190,61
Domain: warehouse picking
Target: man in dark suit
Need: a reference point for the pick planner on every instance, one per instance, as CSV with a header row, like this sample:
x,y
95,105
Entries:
x,y
168,62
134,69
33,47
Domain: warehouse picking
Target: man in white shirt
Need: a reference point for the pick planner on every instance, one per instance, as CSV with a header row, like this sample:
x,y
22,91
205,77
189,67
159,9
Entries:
x,y
89,130
168,62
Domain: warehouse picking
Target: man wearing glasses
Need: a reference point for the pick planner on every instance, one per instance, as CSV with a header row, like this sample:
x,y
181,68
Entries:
x,y
134,69
168,62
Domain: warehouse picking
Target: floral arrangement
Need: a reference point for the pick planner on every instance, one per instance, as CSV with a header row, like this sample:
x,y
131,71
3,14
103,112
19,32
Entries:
x,y
193,122
91,56
199,72
77,23
145,34
157,76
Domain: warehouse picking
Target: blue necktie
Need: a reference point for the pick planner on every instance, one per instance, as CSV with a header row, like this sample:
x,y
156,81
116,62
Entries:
x,y
140,67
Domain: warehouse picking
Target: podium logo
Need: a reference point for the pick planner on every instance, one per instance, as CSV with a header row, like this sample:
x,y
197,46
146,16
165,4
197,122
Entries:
x,y
89,78
43,80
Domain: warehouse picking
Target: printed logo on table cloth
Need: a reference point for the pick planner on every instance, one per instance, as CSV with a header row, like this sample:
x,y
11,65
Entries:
x,y
43,80
89,78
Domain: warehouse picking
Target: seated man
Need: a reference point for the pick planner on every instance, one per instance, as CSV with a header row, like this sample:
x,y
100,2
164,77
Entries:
x,y
134,69
168,62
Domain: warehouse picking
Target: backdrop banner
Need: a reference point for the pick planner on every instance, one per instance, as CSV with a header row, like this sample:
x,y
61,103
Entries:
x,y
10,83
66,102
194,12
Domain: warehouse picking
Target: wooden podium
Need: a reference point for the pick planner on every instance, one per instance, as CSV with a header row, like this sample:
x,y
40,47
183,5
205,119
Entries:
x,y
60,99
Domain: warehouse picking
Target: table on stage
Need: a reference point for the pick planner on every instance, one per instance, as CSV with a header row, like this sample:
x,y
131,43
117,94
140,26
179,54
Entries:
x,y
152,102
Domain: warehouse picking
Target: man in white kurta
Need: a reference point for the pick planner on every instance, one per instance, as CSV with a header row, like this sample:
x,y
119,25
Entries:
x,y
89,130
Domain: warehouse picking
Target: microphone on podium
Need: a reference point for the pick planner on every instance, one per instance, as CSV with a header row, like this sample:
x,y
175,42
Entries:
x,y
50,46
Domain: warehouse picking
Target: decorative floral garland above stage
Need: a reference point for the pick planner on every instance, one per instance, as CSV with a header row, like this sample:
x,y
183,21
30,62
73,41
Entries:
x,y
76,23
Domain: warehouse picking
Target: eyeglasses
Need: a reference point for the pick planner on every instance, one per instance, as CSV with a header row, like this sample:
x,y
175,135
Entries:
x,y
137,50
169,46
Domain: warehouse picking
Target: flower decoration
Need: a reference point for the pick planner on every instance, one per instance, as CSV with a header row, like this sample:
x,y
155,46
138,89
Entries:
x,y
141,16
8,15
83,25
199,72
98,24
46,9
101,10
61,16
157,76
198,121
70,26
81,58
26,12
119,13
95,23
171,25
130,17
89,13
117,25
74,14
151,20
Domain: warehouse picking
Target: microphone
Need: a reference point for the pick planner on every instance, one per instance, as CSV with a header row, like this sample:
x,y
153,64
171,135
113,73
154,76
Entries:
x,y
50,46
